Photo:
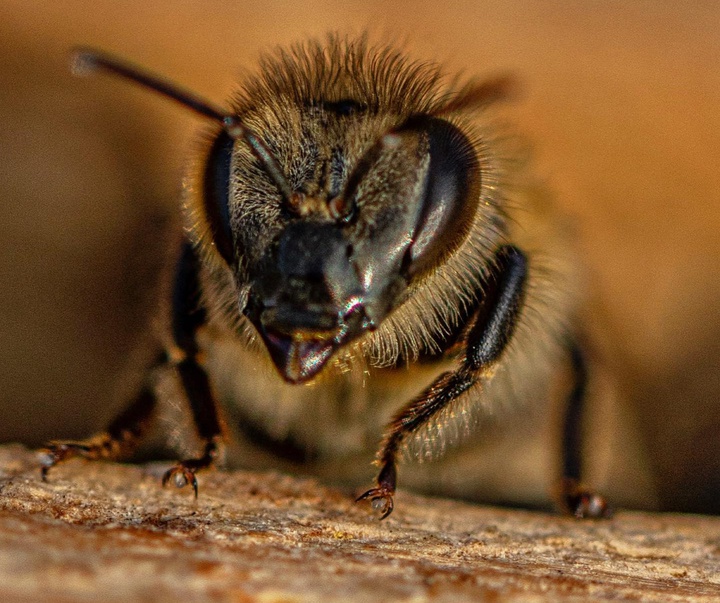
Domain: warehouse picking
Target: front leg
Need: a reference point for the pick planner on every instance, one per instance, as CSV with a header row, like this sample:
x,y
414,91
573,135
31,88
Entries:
x,y
490,328
188,317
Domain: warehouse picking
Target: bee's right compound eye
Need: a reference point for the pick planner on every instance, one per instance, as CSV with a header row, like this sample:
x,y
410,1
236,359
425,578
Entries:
x,y
216,194
450,194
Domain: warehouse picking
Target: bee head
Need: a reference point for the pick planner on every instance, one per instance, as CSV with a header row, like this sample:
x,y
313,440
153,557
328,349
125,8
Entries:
x,y
329,262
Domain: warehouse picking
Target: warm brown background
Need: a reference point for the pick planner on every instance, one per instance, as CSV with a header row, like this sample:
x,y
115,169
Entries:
x,y
621,103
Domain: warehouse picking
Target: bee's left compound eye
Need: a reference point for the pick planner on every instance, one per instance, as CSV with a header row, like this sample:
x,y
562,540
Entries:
x,y
450,193
216,194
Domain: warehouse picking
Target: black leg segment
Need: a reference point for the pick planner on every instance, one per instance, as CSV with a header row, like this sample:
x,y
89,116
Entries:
x,y
188,317
575,498
572,426
497,315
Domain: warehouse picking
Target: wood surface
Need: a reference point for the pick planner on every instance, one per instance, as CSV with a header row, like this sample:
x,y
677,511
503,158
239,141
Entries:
x,y
109,532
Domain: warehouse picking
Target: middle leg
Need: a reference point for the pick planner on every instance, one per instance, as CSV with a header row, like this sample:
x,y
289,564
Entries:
x,y
188,316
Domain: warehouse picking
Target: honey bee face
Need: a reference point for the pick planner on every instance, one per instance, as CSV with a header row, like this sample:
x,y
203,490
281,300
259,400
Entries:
x,y
378,197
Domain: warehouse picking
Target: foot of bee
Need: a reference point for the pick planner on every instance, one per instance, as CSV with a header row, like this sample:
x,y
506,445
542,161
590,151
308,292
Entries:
x,y
381,500
183,474
57,452
583,503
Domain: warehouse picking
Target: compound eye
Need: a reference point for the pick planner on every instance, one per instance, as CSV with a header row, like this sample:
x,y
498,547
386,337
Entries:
x,y
450,196
216,194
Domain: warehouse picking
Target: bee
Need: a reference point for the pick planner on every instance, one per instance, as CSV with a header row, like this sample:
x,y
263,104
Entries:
x,y
356,263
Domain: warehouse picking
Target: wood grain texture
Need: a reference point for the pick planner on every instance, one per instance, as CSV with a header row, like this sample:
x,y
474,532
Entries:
x,y
108,532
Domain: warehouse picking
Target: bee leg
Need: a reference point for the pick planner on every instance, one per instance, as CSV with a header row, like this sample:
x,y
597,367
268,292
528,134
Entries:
x,y
490,328
119,440
417,413
205,414
188,317
576,498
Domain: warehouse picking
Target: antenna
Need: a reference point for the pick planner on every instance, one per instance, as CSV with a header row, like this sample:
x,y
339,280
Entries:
x,y
86,61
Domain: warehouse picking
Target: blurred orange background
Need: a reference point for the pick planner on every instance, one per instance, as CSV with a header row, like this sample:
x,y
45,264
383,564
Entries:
x,y
621,102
